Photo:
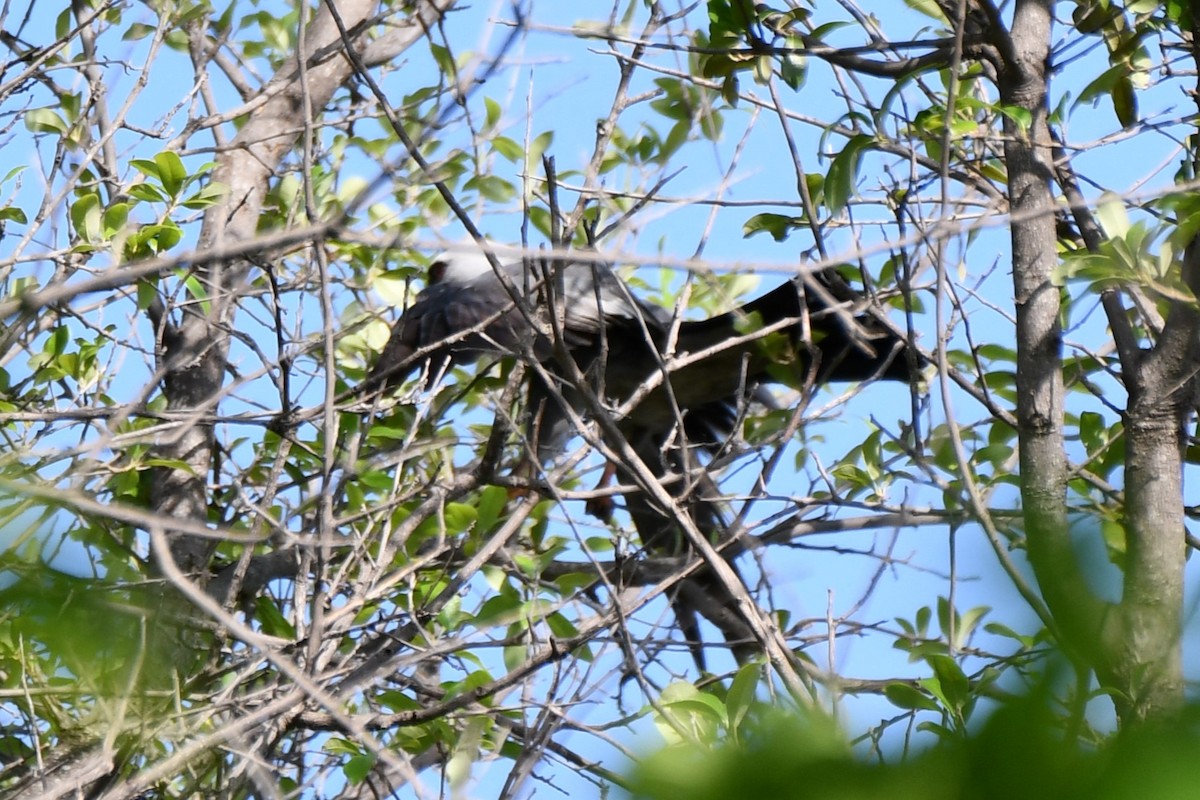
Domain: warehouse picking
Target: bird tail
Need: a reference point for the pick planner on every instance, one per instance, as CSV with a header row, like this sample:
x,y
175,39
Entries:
x,y
702,594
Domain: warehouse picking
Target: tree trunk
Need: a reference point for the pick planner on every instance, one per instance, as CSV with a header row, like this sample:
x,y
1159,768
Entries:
x,y
1023,83
1134,647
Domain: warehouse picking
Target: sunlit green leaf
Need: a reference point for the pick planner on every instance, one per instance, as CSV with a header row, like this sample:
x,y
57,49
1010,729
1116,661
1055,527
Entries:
x,y
45,120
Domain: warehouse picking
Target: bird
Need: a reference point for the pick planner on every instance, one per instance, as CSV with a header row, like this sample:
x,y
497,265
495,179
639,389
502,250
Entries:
x,y
546,309
470,309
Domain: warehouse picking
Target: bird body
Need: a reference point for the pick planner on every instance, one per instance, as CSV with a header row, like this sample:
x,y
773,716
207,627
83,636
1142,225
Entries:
x,y
695,372
470,309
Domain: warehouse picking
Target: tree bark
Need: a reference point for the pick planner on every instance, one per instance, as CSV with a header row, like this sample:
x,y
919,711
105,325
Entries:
x,y
1133,646
1145,649
1024,84
195,349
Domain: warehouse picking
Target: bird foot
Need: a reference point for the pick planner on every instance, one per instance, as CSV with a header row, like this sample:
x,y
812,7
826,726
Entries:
x,y
601,508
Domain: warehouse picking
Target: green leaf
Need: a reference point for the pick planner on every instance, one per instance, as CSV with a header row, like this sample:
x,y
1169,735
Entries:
x,y
170,463
492,501
444,59
943,615
687,714
955,688
115,218
136,31
572,582
1112,215
13,214
540,144
676,139
929,8
209,195
492,187
560,626
793,67
459,517
196,289
763,69
147,168
779,226
515,655
499,608
1115,83
1115,538
940,730
508,148
1092,431
357,768
339,746
741,694
147,192
493,113
909,697
1125,101
272,620
969,620
1091,17
146,294
924,614
153,239
86,217
843,173
171,172
999,629
45,120
12,173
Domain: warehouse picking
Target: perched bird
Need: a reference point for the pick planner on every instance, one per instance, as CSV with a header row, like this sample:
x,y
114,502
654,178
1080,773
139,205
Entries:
x,y
549,309
468,309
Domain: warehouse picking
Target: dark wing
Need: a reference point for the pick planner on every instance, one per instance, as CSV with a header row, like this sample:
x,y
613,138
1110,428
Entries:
x,y
452,322
844,345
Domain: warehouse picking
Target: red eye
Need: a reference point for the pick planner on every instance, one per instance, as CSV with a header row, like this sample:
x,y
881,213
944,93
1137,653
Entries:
x,y
437,271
